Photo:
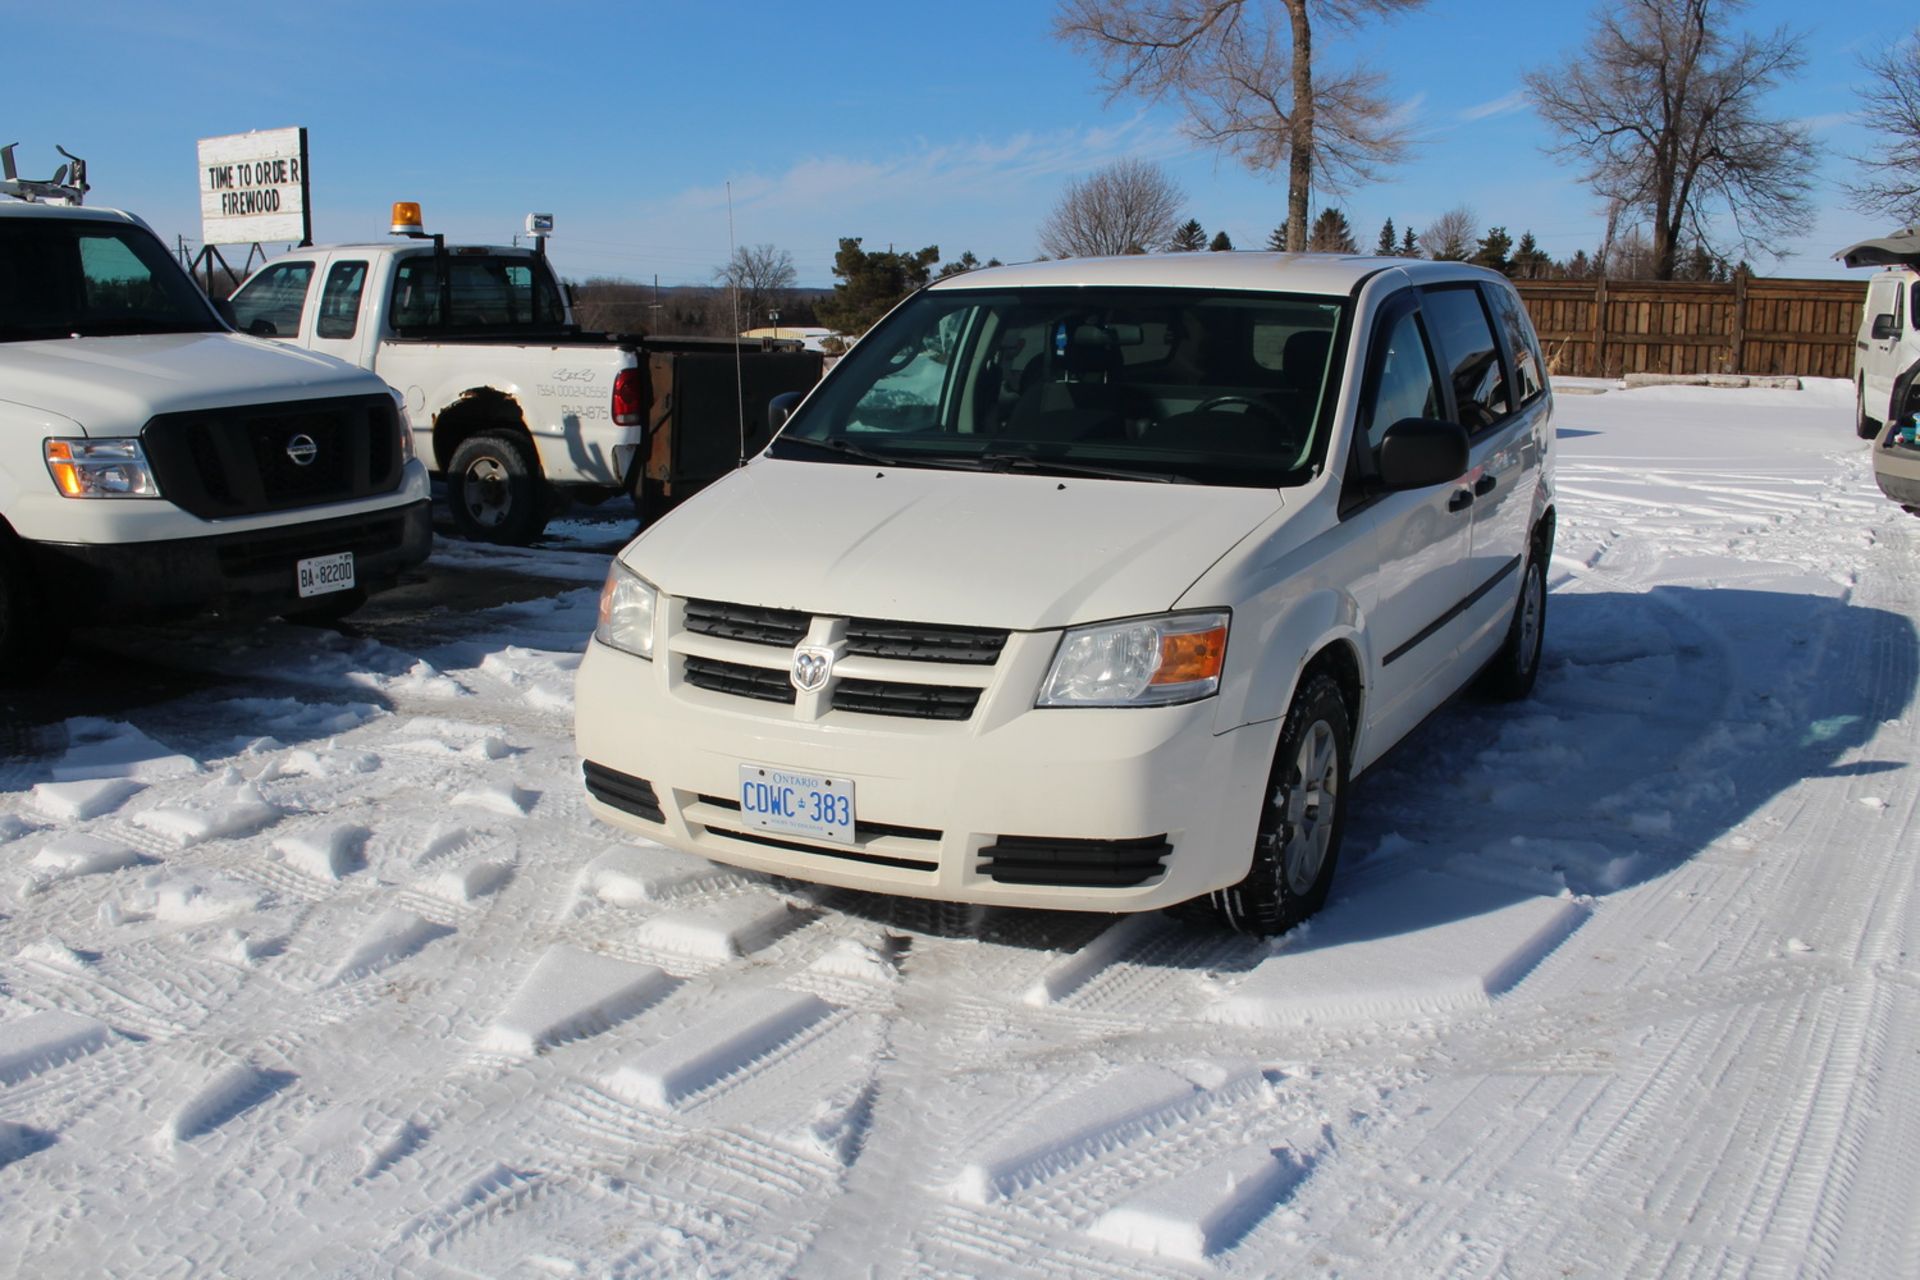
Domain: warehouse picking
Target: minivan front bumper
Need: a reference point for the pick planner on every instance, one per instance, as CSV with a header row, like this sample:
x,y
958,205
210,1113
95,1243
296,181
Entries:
x,y
1109,809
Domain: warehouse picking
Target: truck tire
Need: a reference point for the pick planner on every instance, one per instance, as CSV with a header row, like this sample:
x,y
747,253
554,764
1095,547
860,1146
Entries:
x,y
1863,426
1303,812
495,491
28,635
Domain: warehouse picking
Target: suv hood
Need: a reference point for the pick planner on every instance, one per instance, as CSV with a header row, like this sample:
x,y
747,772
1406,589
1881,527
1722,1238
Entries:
x,y
1023,552
111,386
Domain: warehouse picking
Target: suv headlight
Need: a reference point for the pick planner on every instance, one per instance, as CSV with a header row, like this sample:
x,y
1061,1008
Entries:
x,y
627,606
1147,662
115,467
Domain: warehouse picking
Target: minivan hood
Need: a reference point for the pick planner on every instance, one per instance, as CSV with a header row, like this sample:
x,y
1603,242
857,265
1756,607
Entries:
x,y
111,386
1022,552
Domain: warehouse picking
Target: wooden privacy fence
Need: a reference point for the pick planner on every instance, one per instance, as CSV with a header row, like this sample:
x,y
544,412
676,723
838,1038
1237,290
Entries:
x,y
1752,324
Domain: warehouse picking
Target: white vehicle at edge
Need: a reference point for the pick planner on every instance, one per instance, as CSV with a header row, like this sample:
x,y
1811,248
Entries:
x,y
153,463
1089,585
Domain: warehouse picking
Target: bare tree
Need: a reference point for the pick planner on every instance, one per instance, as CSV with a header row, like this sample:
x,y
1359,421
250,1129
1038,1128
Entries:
x,y
1246,73
1662,107
1451,237
1890,110
1127,207
761,275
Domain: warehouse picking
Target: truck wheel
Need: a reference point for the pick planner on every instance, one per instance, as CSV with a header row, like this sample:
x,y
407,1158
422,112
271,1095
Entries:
x,y
28,634
1301,817
1510,676
1863,426
495,490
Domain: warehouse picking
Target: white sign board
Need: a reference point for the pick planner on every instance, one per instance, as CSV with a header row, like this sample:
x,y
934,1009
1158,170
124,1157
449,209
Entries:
x,y
253,188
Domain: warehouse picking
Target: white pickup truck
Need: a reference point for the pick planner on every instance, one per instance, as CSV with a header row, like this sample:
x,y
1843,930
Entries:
x,y
517,407
154,463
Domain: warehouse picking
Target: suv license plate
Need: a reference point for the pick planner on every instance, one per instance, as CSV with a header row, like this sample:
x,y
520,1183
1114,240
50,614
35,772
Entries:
x,y
797,804
321,575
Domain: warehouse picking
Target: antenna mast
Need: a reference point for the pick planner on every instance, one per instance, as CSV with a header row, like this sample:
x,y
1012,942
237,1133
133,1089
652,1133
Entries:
x,y
739,379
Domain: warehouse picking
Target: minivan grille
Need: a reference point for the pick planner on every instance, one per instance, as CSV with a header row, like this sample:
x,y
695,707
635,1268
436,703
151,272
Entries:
x,y
1042,860
863,697
241,461
866,637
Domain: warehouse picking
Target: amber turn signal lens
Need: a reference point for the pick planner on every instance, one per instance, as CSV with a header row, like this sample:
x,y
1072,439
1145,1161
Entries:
x,y
1194,655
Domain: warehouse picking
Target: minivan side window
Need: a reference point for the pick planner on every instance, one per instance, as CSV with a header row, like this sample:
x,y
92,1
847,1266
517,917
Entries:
x,y
274,297
1458,321
1523,347
340,300
1403,385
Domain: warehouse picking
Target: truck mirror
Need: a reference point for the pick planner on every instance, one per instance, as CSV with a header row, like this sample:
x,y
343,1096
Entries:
x,y
263,328
1885,325
224,309
780,408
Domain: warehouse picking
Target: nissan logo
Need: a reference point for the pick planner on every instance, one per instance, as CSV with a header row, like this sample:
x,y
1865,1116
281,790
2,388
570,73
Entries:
x,y
302,450
811,667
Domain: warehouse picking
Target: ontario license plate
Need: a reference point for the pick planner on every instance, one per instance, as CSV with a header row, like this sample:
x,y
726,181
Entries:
x,y
797,804
322,575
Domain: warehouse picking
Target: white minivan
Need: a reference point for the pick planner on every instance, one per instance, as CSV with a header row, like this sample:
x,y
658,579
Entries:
x,y
1090,585
1887,351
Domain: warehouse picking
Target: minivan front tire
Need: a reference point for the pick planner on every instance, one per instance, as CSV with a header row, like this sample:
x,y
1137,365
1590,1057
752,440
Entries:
x,y
1303,814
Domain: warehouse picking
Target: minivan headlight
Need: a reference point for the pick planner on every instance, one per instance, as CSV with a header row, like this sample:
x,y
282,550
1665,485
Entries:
x,y
1144,662
627,606
112,467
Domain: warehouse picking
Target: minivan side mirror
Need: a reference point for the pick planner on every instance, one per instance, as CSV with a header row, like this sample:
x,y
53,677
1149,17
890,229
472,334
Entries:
x,y
780,408
1885,325
1419,452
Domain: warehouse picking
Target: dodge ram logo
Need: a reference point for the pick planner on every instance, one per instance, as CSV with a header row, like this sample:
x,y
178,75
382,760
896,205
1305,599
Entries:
x,y
811,667
302,450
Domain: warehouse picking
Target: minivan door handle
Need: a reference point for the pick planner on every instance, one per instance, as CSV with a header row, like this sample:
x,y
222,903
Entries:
x,y
1461,500
1484,486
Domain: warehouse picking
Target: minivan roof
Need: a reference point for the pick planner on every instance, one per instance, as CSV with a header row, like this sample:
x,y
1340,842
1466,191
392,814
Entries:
x,y
1312,273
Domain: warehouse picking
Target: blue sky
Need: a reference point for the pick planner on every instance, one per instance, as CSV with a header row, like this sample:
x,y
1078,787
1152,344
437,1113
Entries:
x,y
903,124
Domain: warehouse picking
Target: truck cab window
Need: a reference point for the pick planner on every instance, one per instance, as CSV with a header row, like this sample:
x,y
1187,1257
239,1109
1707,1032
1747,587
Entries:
x,y
340,300
269,305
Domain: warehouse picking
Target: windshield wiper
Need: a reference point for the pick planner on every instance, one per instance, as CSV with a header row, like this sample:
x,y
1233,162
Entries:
x,y
839,445
1054,466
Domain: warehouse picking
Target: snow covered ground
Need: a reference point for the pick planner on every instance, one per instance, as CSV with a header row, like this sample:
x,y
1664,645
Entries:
x,y
339,977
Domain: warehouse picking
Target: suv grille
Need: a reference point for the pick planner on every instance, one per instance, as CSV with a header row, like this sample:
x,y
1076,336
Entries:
x,y
233,462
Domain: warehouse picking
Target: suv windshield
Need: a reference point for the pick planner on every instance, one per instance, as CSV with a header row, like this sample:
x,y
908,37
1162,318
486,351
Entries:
x,y
1139,383
68,277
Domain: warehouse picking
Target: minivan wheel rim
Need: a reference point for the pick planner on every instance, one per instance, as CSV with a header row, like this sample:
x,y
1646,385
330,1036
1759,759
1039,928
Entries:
x,y
1532,601
1308,806
485,490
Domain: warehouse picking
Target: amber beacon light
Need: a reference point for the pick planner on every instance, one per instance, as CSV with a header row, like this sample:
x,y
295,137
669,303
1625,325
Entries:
x,y
406,218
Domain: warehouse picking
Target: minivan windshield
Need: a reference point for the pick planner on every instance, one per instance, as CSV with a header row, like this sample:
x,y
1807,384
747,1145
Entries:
x,y
1159,384
72,277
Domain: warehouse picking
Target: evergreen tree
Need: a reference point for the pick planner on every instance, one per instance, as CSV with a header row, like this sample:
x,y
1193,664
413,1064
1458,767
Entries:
x,y
1277,239
1529,263
1579,266
1409,245
1190,238
1495,246
870,283
1387,239
959,266
1221,244
1331,233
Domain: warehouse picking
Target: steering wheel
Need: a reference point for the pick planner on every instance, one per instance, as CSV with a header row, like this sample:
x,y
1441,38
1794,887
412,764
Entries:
x,y
1252,406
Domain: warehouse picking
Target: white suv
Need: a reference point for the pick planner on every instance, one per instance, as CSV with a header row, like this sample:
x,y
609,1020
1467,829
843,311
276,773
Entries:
x,y
1089,585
